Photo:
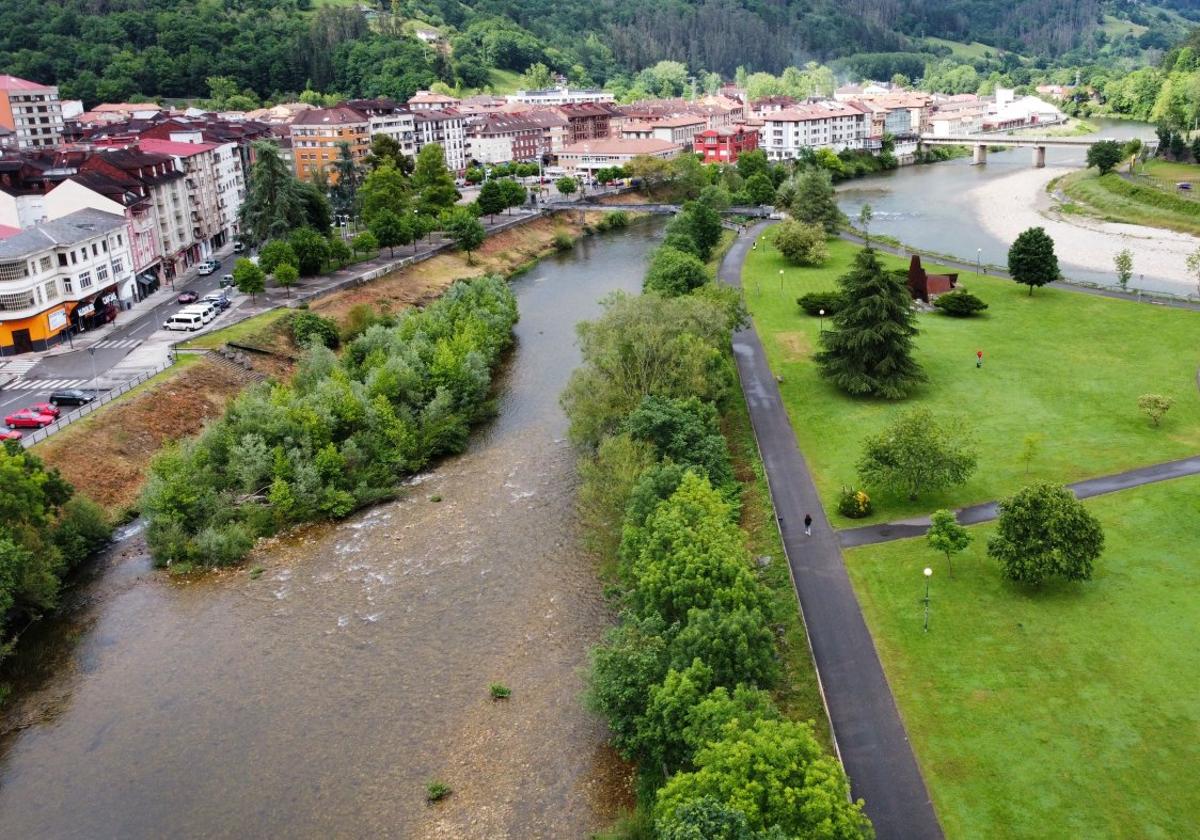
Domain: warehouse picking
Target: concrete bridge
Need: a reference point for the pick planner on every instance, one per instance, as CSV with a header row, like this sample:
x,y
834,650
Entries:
x,y
1038,145
656,209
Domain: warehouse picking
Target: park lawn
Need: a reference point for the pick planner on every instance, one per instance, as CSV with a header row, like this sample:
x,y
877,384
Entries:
x,y
1062,365
1172,170
1112,198
963,50
1065,712
239,332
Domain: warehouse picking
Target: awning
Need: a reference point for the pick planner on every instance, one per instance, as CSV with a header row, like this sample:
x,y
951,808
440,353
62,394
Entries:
x,y
146,281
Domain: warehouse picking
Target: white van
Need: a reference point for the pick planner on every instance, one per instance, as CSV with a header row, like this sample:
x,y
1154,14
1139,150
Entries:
x,y
189,321
206,311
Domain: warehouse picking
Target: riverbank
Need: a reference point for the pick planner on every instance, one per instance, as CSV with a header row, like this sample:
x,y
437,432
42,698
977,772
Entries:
x,y
1117,198
1006,206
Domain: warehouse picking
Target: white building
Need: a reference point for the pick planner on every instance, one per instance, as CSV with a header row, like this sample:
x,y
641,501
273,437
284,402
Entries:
x,y
819,125
680,130
32,111
207,205
560,96
605,153
447,128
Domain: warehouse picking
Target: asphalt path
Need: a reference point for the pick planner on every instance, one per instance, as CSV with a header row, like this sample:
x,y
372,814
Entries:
x,y
867,729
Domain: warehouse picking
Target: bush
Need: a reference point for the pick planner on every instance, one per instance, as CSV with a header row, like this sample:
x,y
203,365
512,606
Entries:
x,y
801,244
563,241
499,691
437,791
813,302
82,529
307,326
854,504
960,304
615,220
673,273
361,318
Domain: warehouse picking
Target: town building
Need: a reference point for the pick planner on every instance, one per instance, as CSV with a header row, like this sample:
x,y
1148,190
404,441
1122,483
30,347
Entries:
x,y
202,175
108,113
447,128
62,274
679,130
555,129
564,95
390,118
424,100
819,125
603,153
847,93
500,138
589,120
724,145
32,111
317,135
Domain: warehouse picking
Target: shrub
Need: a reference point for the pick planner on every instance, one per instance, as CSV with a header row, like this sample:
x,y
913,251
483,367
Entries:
x,y
307,326
361,318
960,304
800,243
1155,406
436,791
82,529
813,302
854,504
563,241
499,691
615,220
1044,531
276,252
673,273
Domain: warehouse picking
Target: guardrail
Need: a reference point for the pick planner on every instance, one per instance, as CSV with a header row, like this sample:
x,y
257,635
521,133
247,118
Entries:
x,y
65,420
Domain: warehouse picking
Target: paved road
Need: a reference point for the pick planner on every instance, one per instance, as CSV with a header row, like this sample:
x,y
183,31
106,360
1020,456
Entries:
x,y
973,515
869,734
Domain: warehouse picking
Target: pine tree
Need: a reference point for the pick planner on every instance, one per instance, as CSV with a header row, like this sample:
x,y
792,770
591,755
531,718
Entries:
x,y
869,350
814,201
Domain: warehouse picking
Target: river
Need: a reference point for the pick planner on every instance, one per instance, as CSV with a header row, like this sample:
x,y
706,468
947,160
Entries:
x,y
319,699
974,212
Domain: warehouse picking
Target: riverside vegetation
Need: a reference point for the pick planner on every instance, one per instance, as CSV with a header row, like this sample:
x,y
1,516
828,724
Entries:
x,y
340,435
683,679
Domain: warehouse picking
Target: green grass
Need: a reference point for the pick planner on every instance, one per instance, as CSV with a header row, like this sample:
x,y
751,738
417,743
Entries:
x,y
1065,365
1065,712
1115,199
504,81
239,332
1170,170
968,51
1115,27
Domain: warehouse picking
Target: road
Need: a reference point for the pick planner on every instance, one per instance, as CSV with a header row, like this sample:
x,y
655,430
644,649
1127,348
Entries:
x,y
75,369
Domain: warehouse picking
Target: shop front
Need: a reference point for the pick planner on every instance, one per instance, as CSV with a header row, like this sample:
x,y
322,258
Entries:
x,y
95,311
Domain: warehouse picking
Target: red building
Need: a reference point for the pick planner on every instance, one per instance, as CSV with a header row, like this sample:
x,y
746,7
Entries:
x,y
723,145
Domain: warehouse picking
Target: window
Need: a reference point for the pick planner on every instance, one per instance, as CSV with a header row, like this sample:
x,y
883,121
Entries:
x,y
120,241
85,279
117,267
16,300
95,250
74,259
101,274
104,245
13,271
51,290
47,263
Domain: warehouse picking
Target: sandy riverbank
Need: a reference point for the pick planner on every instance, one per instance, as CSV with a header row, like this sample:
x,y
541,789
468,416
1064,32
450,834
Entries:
x,y
1006,206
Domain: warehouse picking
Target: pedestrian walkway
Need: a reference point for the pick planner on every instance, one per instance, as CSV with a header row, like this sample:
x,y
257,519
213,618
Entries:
x,y
18,366
44,384
121,343
868,732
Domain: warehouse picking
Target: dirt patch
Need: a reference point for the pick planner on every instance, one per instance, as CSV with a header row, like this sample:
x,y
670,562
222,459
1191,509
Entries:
x,y
106,455
796,346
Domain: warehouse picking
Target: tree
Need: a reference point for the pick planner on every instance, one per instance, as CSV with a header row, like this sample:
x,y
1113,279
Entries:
x,y
491,198
800,243
776,774
660,741
339,251
868,351
947,536
286,275
385,188
1105,155
1045,531
389,230
364,243
386,149
537,77
318,215
813,200
916,454
1155,406
865,214
274,201
468,233
311,250
432,180
275,252
704,819
702,224
514,193
685,432
248,278
1123,262
345,188
673,272
753,163
1031,259
566,185
631,659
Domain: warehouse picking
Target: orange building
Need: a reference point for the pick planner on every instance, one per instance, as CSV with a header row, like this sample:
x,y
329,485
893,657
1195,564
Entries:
x,y
316,135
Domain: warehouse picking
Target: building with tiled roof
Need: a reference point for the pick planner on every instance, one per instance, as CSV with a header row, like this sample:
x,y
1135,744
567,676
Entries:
x,y
814,125
32,111
676,129
424,100
317,135
607,152
448,128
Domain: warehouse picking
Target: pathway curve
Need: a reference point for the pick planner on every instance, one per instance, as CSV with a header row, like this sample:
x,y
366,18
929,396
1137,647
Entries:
x,y
868,732
974,514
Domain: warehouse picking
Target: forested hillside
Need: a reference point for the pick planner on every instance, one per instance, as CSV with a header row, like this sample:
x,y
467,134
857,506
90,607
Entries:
x,y
116,49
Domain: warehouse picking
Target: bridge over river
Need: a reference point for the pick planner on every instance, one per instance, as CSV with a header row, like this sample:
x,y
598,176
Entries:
x,y
1038,145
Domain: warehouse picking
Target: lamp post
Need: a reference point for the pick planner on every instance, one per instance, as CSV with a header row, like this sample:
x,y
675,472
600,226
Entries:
x,y
92,353
978,260
781,281
822,313
928,575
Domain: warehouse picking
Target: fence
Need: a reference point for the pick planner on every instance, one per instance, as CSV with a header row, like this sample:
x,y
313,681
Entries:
x,y
84,410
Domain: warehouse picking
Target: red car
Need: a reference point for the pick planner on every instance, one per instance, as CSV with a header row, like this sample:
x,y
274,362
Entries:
x,y
8,434
28,419
45,408
188,296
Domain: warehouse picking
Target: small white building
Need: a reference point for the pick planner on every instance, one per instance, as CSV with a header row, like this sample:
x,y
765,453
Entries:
x,y
564,95
608,152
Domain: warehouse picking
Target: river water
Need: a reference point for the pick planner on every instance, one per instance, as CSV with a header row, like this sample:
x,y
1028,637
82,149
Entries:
x,y
937,208
319,699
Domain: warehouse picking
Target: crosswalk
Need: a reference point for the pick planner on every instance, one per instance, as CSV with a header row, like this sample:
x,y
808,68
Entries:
x,y
44,384
17,366
117,343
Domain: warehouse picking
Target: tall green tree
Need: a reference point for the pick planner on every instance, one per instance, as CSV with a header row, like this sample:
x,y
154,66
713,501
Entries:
x,y
514,193
813,200
1044,531
869,350
275,202
389,230
1031,259
491,198
432,180
275,252
311,250
384,188
248,278
673,272
468,232
286,275
345,188
1105,155
916,454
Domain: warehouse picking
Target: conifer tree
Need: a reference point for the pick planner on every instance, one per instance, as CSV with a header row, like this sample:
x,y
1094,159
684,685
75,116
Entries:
x,y
869,350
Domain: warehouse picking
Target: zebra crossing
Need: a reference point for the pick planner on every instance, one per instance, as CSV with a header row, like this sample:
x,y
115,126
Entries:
x,y
16,367
44,384
117,343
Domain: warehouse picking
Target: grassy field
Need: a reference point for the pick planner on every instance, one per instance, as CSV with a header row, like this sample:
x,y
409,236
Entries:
x,y
966,51
504,81
1115,27
1170,170
238,332
1060,365
1066,712
1112,198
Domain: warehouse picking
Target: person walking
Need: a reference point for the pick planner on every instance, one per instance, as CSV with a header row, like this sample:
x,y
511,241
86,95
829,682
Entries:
x,y
808,524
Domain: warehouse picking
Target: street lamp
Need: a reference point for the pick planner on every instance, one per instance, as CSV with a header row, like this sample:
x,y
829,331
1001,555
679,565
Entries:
x,y
978,260
822,312
928,575
92,353
781,281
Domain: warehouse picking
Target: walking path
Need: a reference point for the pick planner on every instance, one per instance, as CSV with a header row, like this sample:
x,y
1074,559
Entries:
x,y
974,514
868,733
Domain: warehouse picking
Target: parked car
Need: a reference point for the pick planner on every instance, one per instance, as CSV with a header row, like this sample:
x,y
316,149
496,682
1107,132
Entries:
x,y
238,247
71,396
218,300
10,434
45,408
227,281
205,269
27,419
188,296
187,320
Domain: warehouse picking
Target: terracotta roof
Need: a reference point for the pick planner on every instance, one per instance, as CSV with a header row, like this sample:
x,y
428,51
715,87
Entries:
x,y
122,107
804,113
175,148
615,146
339,115
14,83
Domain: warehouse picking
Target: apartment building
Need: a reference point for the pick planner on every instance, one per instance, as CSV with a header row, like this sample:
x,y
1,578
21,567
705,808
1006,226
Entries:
x,y
424,100
202,174
448,128
679,130
724,145
589,121
817,125
32,111
564,95
608,152
317,134
499,138
390,118
62,274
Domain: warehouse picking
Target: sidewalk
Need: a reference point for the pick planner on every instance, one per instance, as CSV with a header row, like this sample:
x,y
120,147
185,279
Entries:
x,y
868,733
